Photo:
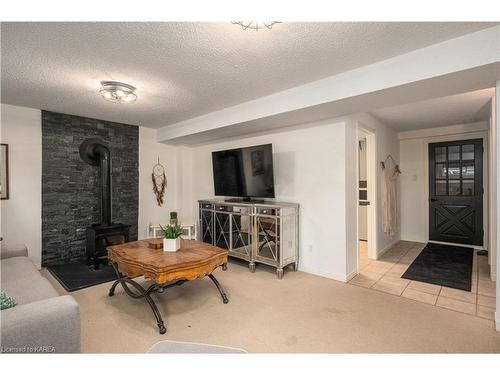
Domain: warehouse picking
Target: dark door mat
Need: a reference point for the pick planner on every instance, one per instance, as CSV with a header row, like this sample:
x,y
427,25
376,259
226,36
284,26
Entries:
x,y
449,266
75,276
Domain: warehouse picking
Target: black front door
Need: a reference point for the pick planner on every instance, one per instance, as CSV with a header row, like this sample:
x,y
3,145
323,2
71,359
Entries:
x,y
456,192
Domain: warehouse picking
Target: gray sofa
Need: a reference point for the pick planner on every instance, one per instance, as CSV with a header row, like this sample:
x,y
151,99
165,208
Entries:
x,y
43,321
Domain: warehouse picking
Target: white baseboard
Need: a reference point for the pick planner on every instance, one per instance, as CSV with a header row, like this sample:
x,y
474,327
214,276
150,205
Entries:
x,y
458,245
328,275
381,252
493,270
351,275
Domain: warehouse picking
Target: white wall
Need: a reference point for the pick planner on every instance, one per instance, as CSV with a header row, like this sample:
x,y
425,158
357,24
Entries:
x,y
497,232
351,201
412,190
149,152
493,189
414,180
21,129
309,168
187,184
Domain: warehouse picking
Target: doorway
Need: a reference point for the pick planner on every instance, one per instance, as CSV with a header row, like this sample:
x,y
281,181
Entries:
x,y
456,192
363,203
366,191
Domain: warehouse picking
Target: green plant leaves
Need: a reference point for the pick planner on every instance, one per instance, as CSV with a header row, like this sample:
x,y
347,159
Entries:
x,y
171,231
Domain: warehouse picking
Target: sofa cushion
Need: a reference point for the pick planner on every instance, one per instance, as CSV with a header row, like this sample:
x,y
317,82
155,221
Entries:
x,y
22,281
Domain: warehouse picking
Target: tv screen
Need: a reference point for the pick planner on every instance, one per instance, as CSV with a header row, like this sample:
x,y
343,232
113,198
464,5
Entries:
x,y
244,172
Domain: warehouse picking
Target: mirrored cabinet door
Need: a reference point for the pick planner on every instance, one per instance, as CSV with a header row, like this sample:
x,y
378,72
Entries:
x,y
268,235
206,224
241,232
222,228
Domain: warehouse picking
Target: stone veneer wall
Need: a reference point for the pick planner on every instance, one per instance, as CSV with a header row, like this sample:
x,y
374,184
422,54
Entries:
x,y
70,187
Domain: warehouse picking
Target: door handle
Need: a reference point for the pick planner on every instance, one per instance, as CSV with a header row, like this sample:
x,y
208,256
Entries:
x,y
433,200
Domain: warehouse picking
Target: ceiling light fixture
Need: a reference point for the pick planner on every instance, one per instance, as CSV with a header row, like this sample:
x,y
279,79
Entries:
x,y
117,92
254,25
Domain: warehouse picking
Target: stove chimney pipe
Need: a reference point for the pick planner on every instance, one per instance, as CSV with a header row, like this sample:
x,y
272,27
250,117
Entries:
x,y
95,152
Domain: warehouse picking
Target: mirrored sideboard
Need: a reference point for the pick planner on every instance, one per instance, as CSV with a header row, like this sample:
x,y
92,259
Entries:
x,y
264,233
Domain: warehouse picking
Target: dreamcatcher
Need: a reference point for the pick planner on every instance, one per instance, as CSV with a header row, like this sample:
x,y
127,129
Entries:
x,y
159,182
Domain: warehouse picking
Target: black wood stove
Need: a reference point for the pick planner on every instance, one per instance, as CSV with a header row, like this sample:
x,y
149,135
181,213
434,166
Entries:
x,y
106,233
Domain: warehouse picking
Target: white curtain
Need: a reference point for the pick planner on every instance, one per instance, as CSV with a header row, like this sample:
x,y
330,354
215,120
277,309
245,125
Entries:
x,y
390,200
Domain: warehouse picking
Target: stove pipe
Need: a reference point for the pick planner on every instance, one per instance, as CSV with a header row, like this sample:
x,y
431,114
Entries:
x,y
95,152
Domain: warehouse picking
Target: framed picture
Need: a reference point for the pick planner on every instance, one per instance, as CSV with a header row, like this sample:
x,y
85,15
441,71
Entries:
x,y
4,171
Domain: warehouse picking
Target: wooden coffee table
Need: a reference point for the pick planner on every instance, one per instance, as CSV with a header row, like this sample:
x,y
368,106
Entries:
x,y
165,269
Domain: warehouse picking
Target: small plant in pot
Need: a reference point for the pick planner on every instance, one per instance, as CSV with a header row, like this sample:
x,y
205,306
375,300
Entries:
x,y
171,237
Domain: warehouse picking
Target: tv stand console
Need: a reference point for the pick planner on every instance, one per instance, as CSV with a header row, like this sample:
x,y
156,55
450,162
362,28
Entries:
x,y
244,200
265,232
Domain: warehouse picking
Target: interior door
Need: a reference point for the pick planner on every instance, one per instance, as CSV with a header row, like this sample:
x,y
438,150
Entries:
x,y
456,192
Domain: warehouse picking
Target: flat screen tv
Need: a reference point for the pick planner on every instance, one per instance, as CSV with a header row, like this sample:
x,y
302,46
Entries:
x,y
244,172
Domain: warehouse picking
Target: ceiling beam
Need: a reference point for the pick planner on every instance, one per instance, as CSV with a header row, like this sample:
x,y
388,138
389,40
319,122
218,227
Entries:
x,y
465,53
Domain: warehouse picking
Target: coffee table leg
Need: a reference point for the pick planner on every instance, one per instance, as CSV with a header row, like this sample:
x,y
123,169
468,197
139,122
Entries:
x,y
159,320
221,291
111,292
123,280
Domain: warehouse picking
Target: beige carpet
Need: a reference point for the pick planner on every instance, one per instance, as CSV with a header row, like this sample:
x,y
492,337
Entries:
x,y
301,313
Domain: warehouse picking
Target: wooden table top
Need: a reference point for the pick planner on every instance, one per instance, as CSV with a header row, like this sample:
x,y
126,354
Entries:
x,y
194,259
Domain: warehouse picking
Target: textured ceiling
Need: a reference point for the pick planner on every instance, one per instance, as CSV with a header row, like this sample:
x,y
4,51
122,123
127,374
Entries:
x,y
182,70
449,110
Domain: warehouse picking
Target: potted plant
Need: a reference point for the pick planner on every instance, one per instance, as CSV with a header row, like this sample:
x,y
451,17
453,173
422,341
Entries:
x,y
173,218
171,237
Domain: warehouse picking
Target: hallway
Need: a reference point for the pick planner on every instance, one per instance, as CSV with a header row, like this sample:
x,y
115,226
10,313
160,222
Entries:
x,y
385,275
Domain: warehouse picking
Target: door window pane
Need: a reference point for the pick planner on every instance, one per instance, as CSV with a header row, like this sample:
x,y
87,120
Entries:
x,y
440,154
440,170
468,171
454,187
453,171
468,152
453,152
468,187
441,187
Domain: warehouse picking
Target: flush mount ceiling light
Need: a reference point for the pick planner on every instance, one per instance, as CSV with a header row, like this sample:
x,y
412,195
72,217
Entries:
x,y
254,25
117,92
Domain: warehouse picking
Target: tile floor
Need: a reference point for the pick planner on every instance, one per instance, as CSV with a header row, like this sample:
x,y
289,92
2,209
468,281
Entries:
x,y
385,275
